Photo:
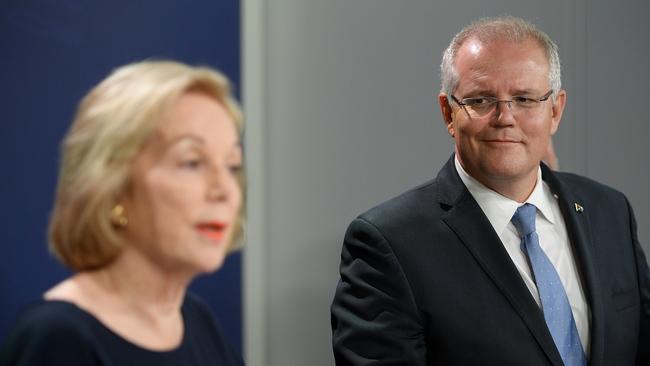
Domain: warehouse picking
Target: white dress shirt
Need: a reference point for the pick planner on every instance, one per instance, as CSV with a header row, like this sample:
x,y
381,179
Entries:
x,y
553,239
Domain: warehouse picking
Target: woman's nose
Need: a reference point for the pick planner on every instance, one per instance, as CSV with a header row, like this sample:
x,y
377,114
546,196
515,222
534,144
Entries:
x,y
218,187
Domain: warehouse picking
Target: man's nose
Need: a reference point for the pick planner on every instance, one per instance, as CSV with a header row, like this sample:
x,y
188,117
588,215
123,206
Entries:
x,y
504,114
507,102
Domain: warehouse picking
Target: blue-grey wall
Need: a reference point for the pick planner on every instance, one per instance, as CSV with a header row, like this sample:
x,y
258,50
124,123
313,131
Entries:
x,y
51,53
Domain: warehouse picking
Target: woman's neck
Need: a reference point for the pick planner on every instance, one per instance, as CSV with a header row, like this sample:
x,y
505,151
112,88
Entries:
x,y
133,297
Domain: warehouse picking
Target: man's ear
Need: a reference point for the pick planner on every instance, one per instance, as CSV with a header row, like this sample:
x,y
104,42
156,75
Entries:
x,y
558,109
445,109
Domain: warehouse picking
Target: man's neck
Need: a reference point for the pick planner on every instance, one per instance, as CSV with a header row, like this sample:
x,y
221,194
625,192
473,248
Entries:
x,y
516,188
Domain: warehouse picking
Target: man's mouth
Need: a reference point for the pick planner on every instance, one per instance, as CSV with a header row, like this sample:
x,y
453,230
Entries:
x,y
501,141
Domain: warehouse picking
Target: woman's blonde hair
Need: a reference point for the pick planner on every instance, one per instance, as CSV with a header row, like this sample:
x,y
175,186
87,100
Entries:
x,y
111,125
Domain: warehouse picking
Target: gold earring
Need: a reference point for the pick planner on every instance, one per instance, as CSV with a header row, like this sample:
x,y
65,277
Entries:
x,y
118,217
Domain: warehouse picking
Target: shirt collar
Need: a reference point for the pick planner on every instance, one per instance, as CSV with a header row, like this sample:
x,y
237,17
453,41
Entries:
x,y
499,209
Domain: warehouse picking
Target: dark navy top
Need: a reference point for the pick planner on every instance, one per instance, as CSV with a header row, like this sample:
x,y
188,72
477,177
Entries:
x,y
60,333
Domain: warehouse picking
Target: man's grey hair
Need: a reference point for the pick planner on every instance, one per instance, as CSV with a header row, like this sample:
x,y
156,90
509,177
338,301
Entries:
x,y
506,28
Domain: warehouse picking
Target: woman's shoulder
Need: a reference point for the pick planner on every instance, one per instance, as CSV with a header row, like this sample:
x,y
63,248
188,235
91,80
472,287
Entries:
x,y
52,317
202,325
199,317
49,332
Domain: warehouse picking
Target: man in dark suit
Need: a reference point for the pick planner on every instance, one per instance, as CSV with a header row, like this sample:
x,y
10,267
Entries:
x,y
498,260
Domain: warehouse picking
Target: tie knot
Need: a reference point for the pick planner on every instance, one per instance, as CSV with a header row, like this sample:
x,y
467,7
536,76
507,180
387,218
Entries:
x,y
524,219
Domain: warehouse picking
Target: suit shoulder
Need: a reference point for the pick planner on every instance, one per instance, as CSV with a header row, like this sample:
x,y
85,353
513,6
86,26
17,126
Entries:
x,y
582,181
406,207
588,187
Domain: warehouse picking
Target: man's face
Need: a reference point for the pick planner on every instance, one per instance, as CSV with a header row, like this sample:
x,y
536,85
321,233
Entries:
x,y
504,145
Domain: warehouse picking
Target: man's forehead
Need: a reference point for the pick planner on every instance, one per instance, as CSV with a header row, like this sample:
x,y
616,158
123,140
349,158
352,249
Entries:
x,y
475,44
475,49
513,65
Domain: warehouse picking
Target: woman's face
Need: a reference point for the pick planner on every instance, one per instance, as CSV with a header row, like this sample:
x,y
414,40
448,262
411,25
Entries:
x,y
184,196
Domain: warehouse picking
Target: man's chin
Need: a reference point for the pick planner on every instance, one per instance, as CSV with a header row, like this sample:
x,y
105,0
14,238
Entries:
x,y
505,170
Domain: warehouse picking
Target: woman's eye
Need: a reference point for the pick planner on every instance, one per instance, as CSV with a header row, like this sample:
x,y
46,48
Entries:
x,y
191,164
235,168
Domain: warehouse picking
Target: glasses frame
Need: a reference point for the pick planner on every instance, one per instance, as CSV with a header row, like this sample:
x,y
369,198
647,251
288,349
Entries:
x,y
494,101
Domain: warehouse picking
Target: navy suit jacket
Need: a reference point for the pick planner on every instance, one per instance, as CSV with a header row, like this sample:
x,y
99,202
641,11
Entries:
x,y
425,280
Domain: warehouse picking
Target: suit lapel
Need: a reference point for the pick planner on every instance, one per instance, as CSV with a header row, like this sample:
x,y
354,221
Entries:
x,y
575,211
472,227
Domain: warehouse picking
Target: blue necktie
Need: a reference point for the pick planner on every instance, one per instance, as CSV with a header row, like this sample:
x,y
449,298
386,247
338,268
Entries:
x,y
555,304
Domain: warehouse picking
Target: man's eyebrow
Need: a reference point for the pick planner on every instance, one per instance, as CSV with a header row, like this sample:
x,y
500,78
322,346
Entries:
x,y
524,92
478,92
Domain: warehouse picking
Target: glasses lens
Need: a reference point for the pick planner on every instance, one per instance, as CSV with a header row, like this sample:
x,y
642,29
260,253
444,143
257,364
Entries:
x,y
479,107
519,106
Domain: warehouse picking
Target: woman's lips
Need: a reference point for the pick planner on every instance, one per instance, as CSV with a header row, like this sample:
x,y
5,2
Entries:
x,y
213,230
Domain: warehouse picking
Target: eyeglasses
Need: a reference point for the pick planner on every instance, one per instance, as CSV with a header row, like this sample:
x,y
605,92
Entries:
x,y
518,105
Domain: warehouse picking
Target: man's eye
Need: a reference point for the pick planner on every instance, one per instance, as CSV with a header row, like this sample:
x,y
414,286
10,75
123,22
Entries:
x,y
524,101
475,102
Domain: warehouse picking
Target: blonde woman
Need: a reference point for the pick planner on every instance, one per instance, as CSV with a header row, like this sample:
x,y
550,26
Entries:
x,y
149,196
